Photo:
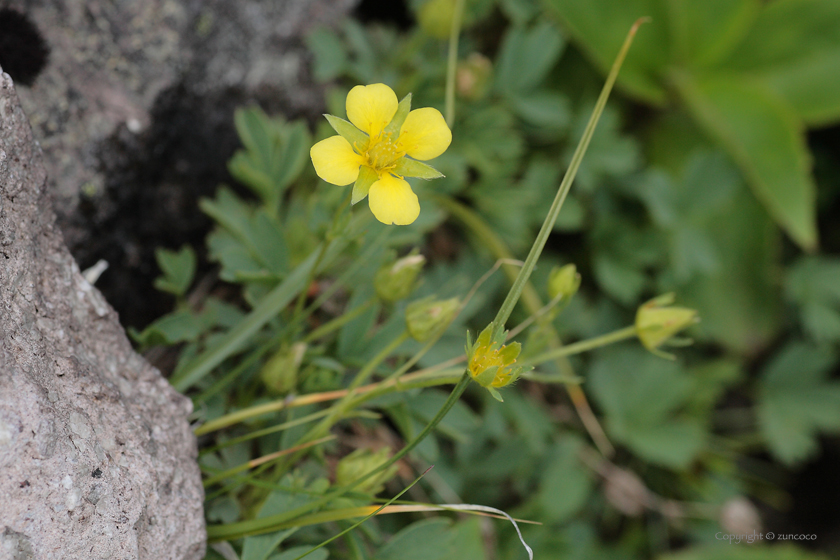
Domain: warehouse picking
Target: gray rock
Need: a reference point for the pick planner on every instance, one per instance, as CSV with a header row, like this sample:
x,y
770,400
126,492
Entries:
x,y
134,113
97,459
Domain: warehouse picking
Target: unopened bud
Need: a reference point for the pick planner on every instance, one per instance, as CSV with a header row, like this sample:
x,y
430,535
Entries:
x,y
563,281
280,372
473,76
360,462
656,322
424,317
395,281
435,17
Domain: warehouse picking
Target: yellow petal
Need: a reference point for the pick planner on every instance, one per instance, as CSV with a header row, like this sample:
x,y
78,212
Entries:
x,y
335,161
424,134
392,201
371,107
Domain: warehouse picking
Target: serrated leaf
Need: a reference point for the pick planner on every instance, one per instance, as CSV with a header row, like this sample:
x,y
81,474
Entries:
x,y
794,48
726,550
642,396
601,39
796,401
330,54
178,269
565,484
766,140
814,283
422,540
706,32
297,551
545,109
179,326
526,56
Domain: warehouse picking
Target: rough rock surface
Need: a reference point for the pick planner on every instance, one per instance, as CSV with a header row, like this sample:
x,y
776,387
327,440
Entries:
x,y
134,113
97,460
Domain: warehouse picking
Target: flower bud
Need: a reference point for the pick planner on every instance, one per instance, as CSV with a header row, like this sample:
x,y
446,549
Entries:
x,y
359,463
395,281
435,17
473,76
491,362
565,281
280,372
656,322
425,316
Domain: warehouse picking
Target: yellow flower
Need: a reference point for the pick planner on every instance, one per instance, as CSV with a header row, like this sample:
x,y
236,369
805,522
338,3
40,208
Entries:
x,y
491,363
381,147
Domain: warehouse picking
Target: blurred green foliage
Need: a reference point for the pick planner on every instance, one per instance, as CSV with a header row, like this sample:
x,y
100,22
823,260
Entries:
x,y
694,182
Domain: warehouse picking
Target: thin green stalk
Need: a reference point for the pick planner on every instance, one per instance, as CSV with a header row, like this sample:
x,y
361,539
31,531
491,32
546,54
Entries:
x,y
268,524
582,346
452,62
338,322
548,225
365,373
270,306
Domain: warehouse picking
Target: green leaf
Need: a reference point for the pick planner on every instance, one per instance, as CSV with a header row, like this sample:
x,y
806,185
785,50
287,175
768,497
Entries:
x,y
526,56
423,540
796,401
265,310
254,245
766,140
330,54
348,131
179,326
642,396
739,300
294,552
274,156
601,36
744,551
794,48
178,269
566,483
544,109
407,167
814,283
706,32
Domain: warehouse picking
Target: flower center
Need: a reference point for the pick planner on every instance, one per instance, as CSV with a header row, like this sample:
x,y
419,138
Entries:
x,y
483,359
382,153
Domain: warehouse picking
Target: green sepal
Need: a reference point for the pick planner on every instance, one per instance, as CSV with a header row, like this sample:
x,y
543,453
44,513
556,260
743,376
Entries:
x,y
407,167
366,178
399,117
486,377
358,139
495,394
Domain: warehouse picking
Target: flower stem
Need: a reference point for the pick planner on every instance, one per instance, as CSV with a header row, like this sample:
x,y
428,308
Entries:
x,y
525,272
583,346
452,63
268,524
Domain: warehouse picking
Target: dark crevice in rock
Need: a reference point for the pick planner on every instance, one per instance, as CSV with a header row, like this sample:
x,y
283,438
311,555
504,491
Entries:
x,y
23,50
385,11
